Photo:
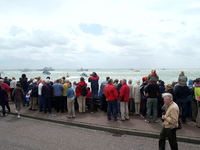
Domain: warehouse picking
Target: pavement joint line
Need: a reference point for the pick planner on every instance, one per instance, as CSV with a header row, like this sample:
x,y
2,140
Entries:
x,y
110,129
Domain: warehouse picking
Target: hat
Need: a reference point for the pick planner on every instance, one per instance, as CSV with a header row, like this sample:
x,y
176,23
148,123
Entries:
x,y
1,80
146,77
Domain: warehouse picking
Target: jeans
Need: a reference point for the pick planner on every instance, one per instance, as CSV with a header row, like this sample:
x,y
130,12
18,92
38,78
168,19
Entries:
x,y
101,103
59,103
3,108
152,102
113,105
182,103
40,102
118,107
47,104
94,94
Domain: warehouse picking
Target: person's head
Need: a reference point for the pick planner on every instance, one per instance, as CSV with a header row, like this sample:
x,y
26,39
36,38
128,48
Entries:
x,y
63,78
116,81
121,81
130,81
74,82
82,79
182,72
168,98
1,81
69,84
107,78
18,84
47,81
110,81
124,81
6,78
13,78
48,77
138,82
39,79
23,76
153,70
146,78
58,81
43,81
168,87
67,81
34,80
197,81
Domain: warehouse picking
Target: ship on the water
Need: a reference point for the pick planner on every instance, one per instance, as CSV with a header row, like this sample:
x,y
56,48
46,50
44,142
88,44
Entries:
x,y
82,69
25,70
46,68
46,72
83,74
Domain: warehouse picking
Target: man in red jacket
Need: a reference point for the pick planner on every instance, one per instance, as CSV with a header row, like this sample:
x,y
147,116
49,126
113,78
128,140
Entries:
x,y
111,94
80,98
124,99
4,86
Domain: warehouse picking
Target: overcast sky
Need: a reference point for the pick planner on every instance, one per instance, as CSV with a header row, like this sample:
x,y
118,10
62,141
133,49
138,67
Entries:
x,y
99,34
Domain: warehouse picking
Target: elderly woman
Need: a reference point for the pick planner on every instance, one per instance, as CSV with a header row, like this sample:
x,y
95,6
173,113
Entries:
x,y
34,95
70,101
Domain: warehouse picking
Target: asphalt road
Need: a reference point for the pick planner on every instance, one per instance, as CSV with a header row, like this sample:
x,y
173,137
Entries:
x,y
28,134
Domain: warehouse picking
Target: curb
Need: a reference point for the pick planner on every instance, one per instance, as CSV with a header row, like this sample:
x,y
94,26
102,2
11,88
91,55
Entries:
x,y
111,129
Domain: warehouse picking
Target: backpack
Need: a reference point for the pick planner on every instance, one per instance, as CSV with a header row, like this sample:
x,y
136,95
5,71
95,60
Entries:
x,y
84,90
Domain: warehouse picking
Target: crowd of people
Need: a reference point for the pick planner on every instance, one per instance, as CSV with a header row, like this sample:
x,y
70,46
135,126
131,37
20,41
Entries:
x,y
119,98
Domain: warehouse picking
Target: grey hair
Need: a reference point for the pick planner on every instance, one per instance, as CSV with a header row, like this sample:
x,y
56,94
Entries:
x,y
124,80
130,81
110,80
47,81
169,95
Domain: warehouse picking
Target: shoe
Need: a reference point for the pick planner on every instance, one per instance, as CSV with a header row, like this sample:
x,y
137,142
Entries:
x,y
30,108
115,119
194,120
109,118
156,121
16,111
73,117
127,118
184,122
122,119
69,117
92,112
18,116
142,116
147,121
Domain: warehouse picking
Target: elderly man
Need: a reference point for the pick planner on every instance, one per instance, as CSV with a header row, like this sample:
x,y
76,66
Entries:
x,y
170,123
124,99
111,94
13,84
58,92
131,102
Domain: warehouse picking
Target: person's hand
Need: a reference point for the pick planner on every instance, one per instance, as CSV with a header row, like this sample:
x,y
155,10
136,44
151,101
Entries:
x,y
164,117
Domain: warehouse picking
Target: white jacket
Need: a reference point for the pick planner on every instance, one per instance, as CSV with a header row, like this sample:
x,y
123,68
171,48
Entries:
x,y
136,92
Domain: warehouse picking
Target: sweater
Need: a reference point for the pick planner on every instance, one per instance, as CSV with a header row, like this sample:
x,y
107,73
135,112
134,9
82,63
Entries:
x,y
58,89
70,93
18,94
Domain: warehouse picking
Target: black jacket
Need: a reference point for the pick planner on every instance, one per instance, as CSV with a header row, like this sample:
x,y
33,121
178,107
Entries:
x,y
47,92
24,84
152,90
182,92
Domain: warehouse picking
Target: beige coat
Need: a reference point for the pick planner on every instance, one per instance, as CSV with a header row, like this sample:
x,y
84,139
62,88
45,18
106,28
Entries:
x,y
131,90
136,92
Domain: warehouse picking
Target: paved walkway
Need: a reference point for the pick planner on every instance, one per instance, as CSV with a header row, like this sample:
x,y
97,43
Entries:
x,y
135,123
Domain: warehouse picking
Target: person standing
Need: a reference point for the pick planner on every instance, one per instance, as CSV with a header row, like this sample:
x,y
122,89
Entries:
x,y
24,86
124,99
80,97
70,101
104,102
152,101
13,86
3,99
111,94
131,101
65,85
58,92
34,95
40,95
47,94
170,124
94,79
144,98
137,97
18,95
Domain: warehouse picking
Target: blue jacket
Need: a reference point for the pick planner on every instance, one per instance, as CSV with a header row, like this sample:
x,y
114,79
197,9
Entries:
x,y
162,90
182,92
190,86
34,88
58,89
3,96
94,79
70,93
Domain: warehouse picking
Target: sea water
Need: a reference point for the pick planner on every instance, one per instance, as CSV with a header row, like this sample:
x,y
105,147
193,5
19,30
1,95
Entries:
x,y
167,75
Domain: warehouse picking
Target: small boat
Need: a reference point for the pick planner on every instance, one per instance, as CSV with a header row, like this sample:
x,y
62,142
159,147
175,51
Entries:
x,y
25,70
136,70
82,69
84,75
46,72
46,68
